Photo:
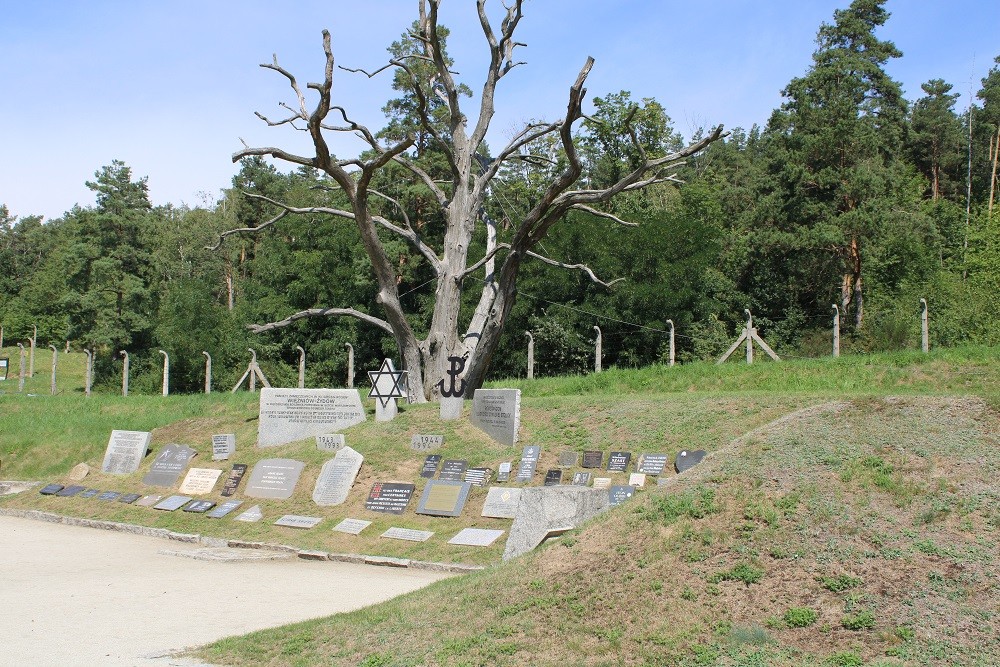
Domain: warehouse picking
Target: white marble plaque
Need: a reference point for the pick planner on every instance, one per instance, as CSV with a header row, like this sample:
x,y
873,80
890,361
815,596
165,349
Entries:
x,y
223,446
296,521
637,479
200,481
252,515
602,483
337,477
476,537
287,415
352,526
172,503
497,412
274,478
408,534
125,451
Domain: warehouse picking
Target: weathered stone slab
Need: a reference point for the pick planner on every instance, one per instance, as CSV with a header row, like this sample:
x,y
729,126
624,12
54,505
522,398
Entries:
x,y
443,498
125,451
89,493
431,464
553,477
129,498
390,497
234,479
199,506
200,481
581,479
223,446
637,479
274,478
168,465
618,461
51,489
686,460
497,412
475,537
652,464
503,471
287,415
501,502
568,459
172,503
330,442
426,443
453,470
252,515
408,534
148,501
451,408
224,508
108,496
70,491
79,472
593,459
337,477
619,494
352,526
545,510
296,521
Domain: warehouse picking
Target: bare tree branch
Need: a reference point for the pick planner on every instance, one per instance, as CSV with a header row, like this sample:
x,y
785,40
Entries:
x,y
321,312
552,262
439,194
603,214
246,230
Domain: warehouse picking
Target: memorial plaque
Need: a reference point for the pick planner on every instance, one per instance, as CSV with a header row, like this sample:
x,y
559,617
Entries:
x,y
531,452
602,483
553,477
475,537
390,497
352,526
478,476
200,481
172,503
592,459
287,415
453,470
224,508
296,521
443,498
337,477
652,464
148,501
274,478
568,459
168,465
618,461
234,479
686,459
89,493
501,503
637,479
330,442
581,479
526,470
79,471
619,494
110,495
431,464
199,506
497,412
71,490
4,366
252,515
125,451
663,481
51,489
426,443
408,534
503,472
129,498
223,446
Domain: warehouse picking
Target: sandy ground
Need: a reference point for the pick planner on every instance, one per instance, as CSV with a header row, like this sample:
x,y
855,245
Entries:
x,y
71,595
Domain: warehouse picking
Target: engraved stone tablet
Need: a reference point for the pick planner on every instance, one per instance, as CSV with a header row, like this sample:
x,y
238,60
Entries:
x,y
168,465
252,515
531,452
89,493
274,478
618,461
79,471
497,412
390,497
478,476
431,464
652,464
451,407
296,521
234,479
200,481
581,479
172,503
352,526
619,494
148,501
453,470
287,415
602,483
526,470
476,537
129,498
125,451
426,443
70,490
637,479
109,495
408,534
330,442
223,446
553,477
443,498
199,506
224,508
51,489
568,459
663,481
501,503
686,460
337,477
592,459
503,472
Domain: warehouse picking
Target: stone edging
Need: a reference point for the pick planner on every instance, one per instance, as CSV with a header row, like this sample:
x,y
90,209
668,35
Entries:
x,y
217,542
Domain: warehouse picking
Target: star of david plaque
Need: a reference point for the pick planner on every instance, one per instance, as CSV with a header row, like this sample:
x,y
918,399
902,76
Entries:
x,y
388,384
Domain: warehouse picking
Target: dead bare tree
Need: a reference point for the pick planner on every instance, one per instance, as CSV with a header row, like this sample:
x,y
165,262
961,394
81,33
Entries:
x,y
461,200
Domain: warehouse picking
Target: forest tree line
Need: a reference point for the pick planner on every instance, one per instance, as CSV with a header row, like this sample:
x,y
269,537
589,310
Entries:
x,y
849,194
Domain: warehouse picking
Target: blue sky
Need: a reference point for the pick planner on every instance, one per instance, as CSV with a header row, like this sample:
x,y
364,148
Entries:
x,y
171,87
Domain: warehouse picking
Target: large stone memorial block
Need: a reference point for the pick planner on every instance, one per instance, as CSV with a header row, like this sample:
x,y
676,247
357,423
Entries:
x,y
287,415
652,464
453,470
125,451
443,498
168,465
390,497
234,479
337,477
688,459
497,412
431,464
200,481
426,443
274,478
501,503
618,461
223,446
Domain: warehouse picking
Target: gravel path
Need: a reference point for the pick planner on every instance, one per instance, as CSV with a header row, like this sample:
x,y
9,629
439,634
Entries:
x,y
71,595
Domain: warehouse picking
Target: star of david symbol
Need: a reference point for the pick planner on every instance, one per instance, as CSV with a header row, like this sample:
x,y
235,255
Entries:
x,y
387,383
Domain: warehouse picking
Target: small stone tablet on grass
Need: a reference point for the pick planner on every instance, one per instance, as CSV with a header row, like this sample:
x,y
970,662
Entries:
x,y
168,465
426,443
223,446
652,464
79,471
618,461
234,479
50,489
108,496
619,494
148,501
337,477
125,451
172,503
526,470
687,459
330,442
431,464
637,479
478,476
199,506
553,477
581,479
389,497
568,459
501,502
453,470
593,459
475,537
200,481
252,515
602,483
129,498
443,498
69,491
224,508
352,526
503,472
274,478
296,521
408,534
89,493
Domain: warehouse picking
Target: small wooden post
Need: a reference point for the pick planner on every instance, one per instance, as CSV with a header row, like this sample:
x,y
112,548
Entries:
x,y
166,373
31,362
925,342
671,323
124,372
88,379
52,385
208,372
20,374
531,355
350,365
302,366
597,351
836,331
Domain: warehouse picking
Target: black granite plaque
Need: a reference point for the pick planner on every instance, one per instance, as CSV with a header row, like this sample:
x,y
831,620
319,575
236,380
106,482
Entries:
x,y
443,498
168,465
687,459
234,479
592,459
581,479
390,497
108,496
618,461
71,490
478,476
199,506
51,489
553,477
503,472
531,452
652,464
453,470
89,493
129,498
526,470
619,494
431,464
224,508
